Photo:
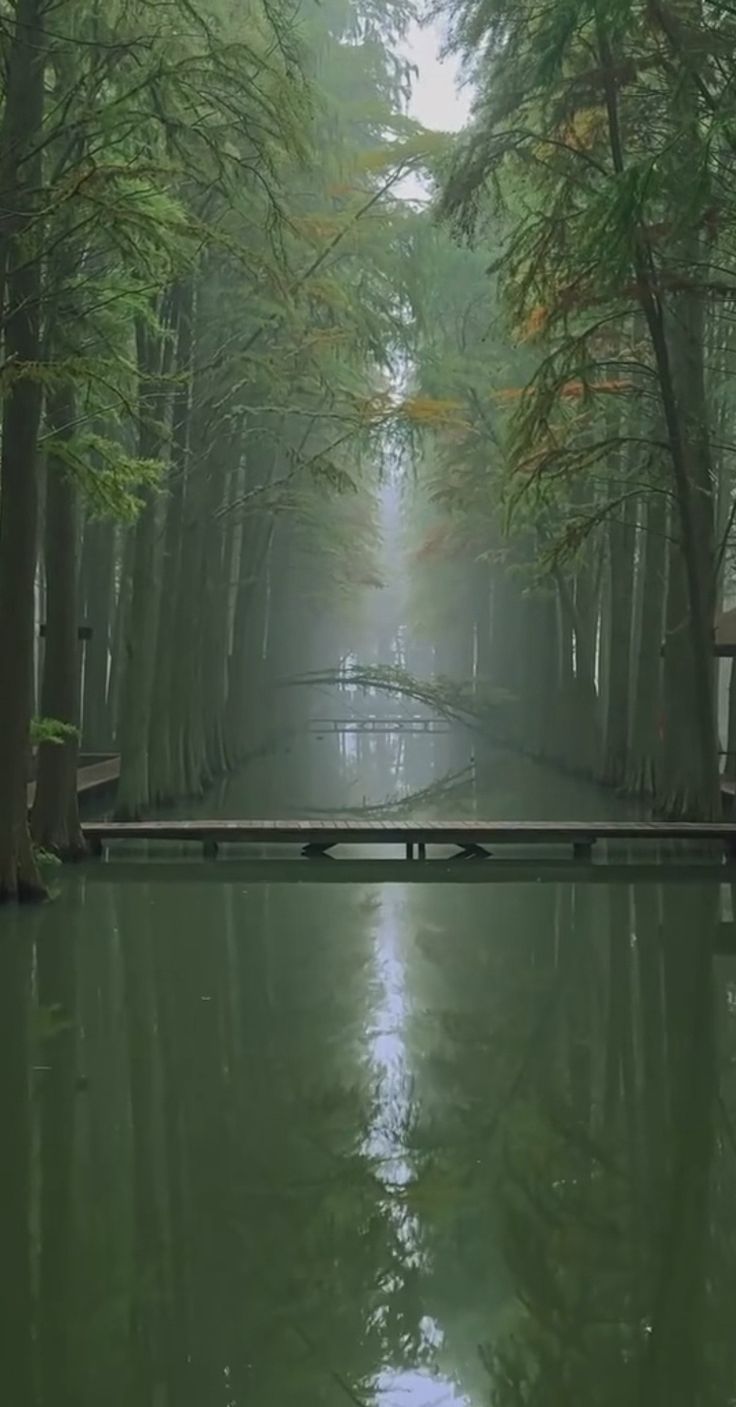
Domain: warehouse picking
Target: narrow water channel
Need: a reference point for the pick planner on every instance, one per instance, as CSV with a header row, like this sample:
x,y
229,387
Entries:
x,y
382,1144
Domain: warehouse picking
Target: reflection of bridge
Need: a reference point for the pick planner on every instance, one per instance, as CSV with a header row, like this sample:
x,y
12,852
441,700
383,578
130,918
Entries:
x,y
378,725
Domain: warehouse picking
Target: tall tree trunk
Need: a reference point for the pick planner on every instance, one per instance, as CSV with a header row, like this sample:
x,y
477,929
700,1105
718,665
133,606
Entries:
x,y
584,720
98,562
645,741
217,552
621,539
680,788
135,715
730,768
188,745
55,816
675,328
164,776
245,665
121,616
20,183
245,675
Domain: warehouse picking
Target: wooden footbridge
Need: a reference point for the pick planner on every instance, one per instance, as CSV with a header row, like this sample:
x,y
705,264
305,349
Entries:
x,y
433,842
379,726
477,840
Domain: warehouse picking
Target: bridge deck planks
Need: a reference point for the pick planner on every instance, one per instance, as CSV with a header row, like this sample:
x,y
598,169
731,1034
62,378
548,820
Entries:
x,y
582,835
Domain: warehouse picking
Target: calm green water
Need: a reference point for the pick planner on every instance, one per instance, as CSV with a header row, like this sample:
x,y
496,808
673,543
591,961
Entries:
x,y
321,1144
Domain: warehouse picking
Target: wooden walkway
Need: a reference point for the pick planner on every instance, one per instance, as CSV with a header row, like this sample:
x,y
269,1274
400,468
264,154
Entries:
x,y
471,839
92,775
377,725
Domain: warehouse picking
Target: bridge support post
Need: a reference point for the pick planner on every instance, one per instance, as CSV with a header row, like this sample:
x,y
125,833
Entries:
x,y
582,849
210,849
409,850
422,850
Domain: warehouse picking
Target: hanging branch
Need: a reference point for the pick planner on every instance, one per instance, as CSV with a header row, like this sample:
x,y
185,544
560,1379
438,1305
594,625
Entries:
x,y
448,785
447,698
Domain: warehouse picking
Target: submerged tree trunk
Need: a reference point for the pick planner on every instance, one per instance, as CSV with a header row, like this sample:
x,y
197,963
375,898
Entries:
x,y
55,822
20,181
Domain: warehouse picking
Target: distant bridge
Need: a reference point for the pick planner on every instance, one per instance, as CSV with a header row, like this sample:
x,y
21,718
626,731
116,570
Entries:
x,y
378,725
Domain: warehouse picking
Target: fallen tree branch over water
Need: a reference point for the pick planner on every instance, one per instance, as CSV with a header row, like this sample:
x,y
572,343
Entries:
x,y
448,785
460,703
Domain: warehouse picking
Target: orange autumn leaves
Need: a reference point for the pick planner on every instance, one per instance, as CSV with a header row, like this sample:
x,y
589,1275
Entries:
x,y
445,413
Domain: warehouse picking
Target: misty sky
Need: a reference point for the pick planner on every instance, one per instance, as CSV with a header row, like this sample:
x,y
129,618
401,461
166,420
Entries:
x,y
436,100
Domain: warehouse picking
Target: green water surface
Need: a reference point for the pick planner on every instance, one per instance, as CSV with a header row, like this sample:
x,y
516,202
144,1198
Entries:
x,y
307,1145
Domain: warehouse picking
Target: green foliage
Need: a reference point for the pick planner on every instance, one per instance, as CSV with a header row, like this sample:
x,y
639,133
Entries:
x,y
46,858
111,480
51,730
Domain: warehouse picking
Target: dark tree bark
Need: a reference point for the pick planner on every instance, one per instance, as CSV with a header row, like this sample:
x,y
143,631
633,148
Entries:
x,y
245,675
55,822
675,328
20,181
98,562
120,629
645,742
140,640
621,541
730,768
217,557
245,665
163,775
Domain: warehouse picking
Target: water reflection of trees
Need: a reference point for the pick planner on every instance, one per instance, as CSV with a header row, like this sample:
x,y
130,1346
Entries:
x,y
191,1208
590,1150
190,1216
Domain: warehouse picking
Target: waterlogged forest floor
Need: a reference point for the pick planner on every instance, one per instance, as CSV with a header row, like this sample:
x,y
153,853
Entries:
x,y
388,1144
